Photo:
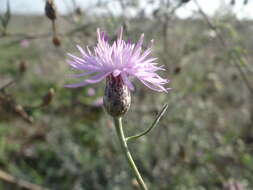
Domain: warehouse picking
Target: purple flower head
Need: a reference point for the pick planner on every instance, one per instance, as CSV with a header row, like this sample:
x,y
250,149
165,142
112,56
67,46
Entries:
x,y
124,59
24,43
91,92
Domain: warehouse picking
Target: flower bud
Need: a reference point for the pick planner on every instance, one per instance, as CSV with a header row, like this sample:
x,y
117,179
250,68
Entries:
x,y
22,67
177,70
117,97
78,11
47,99
50,10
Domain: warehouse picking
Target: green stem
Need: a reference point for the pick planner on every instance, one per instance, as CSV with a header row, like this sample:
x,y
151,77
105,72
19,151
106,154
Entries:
x,y
123,143
154,124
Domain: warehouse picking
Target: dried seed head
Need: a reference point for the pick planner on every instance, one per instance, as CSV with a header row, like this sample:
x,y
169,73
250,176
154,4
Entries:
x,y
47,99
232,2
177,70
78,11
117,97
56,41
22,67
50,9
18,109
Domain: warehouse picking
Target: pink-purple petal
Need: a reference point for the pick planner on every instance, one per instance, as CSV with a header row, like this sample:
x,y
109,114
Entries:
x,y
82,74
116,72
97,78
158,88
121,58
76,85
127,81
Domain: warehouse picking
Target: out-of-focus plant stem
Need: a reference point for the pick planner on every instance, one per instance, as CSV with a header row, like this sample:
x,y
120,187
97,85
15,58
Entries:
x,y
19,183
235,61
54,28
123,143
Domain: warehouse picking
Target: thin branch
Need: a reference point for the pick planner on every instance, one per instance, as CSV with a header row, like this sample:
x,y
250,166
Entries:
x,y
19,182
7,85
235,60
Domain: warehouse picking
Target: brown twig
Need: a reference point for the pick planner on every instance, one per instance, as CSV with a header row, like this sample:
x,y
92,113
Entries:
x,y
19,182
8,103
7,85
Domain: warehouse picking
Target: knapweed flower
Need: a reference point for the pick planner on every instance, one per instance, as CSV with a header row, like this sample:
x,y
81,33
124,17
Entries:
x,y
117,63
121,59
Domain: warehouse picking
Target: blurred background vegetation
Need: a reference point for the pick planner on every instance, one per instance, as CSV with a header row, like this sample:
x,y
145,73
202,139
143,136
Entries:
x,y
57,138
